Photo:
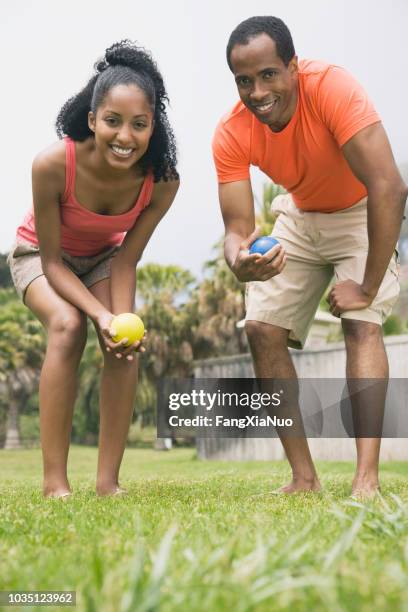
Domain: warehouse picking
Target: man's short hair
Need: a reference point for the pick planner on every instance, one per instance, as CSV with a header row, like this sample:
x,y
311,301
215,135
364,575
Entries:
x,y
254,26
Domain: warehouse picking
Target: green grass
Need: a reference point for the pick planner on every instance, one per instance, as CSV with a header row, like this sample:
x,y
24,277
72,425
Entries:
x,y
204,536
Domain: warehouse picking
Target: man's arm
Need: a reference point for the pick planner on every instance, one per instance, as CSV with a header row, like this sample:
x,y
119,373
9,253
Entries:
x,y
369,156
237,208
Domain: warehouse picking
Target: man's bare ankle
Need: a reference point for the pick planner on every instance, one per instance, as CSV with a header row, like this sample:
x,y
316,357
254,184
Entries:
x,y
367,474
301,486
307,479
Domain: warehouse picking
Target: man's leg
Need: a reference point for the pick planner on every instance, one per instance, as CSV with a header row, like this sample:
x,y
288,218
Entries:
x,y
366,358
272,360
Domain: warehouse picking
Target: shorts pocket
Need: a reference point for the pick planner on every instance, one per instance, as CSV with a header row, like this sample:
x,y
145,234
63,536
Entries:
x,y
22,249
394,265
281,204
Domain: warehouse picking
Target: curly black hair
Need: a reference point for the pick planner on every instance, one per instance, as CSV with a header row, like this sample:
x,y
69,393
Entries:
x,y
274,27
125,63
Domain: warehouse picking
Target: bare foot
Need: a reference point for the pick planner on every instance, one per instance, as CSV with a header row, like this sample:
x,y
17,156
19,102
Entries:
x,y
104,491
61,492
363,489
120,491
298,485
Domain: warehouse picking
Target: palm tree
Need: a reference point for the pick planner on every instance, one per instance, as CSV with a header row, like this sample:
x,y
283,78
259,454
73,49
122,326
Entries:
x,y
216,306
85,425
22,346
164,282
219,301
5,276
164,293
264,216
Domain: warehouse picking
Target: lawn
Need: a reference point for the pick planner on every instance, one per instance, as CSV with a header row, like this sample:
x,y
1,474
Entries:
x,y
204,536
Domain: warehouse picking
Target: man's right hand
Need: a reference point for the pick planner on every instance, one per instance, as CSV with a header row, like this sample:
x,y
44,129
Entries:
x,y
258,267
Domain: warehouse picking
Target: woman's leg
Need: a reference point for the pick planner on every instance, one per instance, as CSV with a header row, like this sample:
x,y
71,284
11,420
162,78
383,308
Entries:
x,y
66,330
117,397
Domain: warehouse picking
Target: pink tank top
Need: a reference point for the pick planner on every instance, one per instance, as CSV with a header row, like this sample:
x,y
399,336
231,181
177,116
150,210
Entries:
x,y
84,232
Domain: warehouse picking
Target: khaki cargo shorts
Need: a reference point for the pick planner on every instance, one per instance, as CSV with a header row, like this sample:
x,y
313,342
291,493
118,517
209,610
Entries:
x,y
25,265
318,246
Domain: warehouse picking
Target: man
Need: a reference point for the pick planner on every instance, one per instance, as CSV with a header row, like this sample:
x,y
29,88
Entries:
x,y
311,128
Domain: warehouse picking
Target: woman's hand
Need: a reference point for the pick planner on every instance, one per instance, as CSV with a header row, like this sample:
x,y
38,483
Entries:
x,y
104,322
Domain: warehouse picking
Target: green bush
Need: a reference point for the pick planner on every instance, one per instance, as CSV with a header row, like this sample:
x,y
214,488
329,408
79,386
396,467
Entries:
x,y
393,326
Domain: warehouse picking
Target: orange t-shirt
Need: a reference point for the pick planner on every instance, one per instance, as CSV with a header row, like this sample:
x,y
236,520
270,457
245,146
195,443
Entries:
x,y
305,157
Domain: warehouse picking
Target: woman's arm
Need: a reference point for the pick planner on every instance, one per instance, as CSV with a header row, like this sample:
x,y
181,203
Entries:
x,y
48,176
123,270
48,185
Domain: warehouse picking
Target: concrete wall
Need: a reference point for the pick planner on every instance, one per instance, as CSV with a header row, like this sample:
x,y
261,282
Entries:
x,y
328,362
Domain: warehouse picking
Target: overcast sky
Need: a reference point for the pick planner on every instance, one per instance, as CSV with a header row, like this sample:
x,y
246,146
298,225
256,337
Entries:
x,y
48,49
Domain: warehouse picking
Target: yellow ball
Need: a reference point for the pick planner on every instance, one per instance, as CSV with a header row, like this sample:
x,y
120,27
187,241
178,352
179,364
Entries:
x,y
127,325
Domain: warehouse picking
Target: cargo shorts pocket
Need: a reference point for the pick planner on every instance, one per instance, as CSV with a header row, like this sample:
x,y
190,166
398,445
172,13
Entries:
x,y
394,265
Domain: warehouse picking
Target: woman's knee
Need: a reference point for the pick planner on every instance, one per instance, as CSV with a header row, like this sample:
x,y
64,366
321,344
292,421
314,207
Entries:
x,y
68,328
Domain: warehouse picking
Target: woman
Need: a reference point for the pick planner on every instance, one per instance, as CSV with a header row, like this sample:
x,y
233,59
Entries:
x,y
98,193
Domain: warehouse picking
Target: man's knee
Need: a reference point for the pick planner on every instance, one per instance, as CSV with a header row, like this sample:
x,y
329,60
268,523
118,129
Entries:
x,y
266,335
361,332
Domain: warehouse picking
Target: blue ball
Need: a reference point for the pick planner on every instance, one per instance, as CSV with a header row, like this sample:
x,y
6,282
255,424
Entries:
x,y
262,245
